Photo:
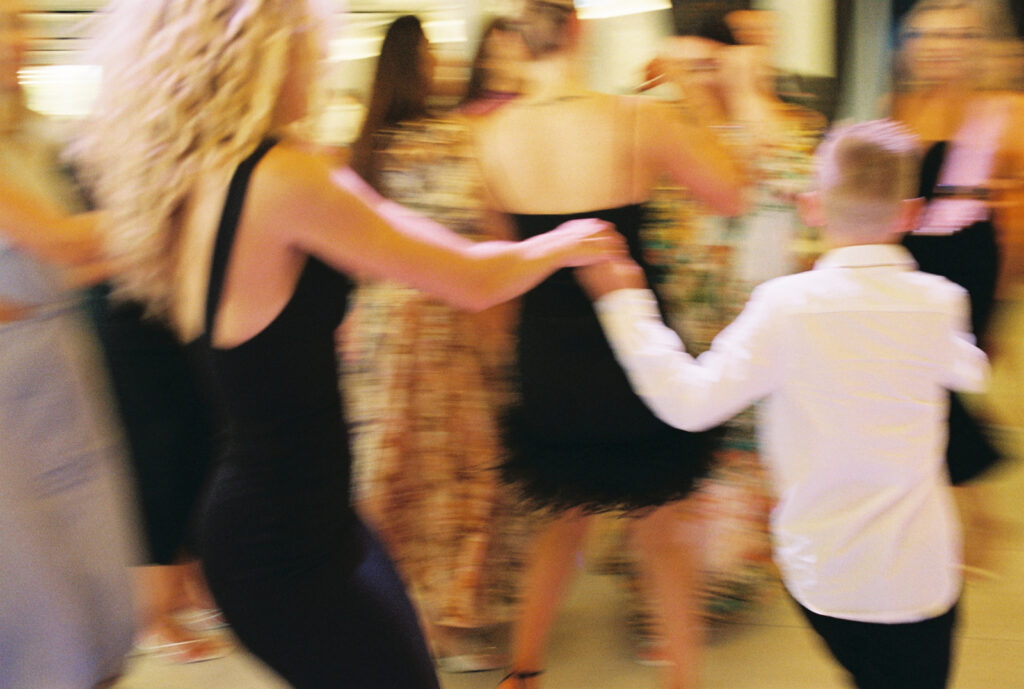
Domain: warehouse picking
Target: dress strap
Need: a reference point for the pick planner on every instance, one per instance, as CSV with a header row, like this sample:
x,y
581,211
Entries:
x,y
226,230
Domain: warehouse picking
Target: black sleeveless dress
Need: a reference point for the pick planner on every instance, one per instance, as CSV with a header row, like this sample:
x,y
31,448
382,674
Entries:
x,y
969,257
579,436
305,586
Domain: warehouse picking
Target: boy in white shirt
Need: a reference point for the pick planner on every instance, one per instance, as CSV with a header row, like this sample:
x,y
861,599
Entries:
x,y
853,361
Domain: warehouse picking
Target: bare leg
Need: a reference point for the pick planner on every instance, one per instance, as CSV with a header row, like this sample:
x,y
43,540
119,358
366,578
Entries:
x,y
670,550
162,592
550,569
197,595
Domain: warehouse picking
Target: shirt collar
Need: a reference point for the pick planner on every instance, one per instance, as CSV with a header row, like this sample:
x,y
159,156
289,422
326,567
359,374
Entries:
x,y
867,256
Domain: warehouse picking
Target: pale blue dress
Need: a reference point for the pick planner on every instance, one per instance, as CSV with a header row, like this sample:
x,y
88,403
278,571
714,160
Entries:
x,y
66,618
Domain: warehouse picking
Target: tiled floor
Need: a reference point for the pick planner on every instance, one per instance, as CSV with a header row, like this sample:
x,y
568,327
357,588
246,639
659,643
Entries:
x,y
773,648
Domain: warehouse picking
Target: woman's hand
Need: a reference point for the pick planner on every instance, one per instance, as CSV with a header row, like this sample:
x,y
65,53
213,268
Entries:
x,y
583,242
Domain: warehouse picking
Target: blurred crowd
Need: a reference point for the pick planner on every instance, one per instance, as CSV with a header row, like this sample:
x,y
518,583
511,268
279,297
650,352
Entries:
x,y
110,431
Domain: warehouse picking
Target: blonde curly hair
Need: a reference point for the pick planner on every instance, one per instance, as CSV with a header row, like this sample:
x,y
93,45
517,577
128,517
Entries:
x,y
188,85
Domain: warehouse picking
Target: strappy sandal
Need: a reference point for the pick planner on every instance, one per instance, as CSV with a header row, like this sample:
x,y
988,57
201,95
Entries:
x,y
186,651
201,619
520,677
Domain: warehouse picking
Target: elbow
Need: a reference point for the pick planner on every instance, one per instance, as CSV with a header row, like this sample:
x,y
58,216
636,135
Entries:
x,y
691,424
684,417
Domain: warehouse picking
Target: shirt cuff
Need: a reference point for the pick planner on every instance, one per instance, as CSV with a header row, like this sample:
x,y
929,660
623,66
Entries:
x,y
623,313
639,302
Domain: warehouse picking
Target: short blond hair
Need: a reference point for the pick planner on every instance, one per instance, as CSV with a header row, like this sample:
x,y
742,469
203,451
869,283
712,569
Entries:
x,y
864,171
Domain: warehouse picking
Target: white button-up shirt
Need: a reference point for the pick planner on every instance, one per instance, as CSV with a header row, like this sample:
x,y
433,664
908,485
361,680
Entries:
x,y
853,360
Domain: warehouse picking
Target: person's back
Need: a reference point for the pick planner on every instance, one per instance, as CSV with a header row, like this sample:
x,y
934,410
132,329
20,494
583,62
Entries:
x,y
570,153
853,360
579,440
558,153
561,148
853,433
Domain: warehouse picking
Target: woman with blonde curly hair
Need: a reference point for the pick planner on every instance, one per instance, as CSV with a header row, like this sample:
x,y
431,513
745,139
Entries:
x,y
247,243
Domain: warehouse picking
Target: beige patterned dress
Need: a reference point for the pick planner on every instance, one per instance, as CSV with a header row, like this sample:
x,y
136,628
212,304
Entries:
x,y
427,384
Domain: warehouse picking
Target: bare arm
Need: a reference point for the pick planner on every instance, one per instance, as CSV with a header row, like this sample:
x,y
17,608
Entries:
x,y
692,157
42,230
335,216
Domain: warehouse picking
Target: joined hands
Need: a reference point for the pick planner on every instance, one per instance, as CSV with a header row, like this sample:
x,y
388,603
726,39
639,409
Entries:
x,y
618,273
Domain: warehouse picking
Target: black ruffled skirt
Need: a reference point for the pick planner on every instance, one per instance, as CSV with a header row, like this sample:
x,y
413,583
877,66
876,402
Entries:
x,y
578,436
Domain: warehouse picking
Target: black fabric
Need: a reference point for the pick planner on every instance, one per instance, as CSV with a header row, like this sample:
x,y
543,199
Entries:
x,y
166,420
303,583
579,436
970,258
915,655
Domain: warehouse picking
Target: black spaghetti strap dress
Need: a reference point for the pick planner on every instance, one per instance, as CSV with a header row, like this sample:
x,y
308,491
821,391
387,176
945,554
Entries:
x,y
305,586
579,436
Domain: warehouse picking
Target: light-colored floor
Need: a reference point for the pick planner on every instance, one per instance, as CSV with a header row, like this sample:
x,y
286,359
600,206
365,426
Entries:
x,y
771,649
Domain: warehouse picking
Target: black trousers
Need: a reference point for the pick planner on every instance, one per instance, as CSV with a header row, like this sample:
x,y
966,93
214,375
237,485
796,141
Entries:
x,y
914,655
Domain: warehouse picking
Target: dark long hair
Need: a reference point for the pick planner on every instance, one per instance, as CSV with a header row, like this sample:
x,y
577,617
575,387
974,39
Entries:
x,y
478,70
400,89
706,18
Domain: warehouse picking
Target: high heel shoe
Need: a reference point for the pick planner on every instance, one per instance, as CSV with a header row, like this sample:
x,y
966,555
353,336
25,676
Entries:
x,y
520,678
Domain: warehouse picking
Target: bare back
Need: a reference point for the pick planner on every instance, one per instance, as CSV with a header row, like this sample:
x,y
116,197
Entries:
x,y
565,155
587,151
262,270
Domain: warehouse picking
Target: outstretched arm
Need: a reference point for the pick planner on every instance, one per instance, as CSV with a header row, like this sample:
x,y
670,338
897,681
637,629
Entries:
x,y
691,156
692,394
337,217
41,229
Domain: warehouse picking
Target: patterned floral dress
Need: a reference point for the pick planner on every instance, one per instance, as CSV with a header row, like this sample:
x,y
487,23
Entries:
x,y
708,266
427,385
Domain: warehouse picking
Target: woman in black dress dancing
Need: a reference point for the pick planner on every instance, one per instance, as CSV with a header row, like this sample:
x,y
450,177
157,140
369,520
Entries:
x,y
247,243
582,441
968,133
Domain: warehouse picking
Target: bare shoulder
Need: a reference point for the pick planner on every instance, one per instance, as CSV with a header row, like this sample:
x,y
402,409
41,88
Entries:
x,y
661,127
653,116
291,182
291,168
